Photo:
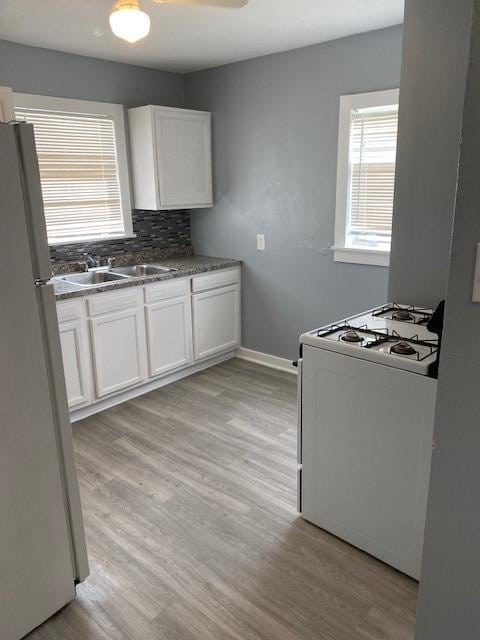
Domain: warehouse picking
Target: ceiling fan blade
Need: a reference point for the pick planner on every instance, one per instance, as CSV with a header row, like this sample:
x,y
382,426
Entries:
x,y
225,4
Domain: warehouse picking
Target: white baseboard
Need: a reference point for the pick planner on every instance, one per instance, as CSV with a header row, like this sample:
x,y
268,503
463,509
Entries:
x,y
265,359
274,362
129,394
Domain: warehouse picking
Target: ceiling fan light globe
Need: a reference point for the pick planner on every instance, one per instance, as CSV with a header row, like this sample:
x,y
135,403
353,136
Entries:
x,y
128,22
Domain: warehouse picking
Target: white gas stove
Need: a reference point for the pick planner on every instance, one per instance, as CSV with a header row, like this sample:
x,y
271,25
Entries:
x,y
366,405
395,335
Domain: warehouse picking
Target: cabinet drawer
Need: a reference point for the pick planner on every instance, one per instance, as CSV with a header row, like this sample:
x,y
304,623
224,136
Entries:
x,y
114,301
217,279
70,310
166,290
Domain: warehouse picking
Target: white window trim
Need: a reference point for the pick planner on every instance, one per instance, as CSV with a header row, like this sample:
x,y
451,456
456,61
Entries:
x,y
341,253
116,111
7,112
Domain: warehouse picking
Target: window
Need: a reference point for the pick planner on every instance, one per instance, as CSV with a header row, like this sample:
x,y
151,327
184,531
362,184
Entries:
x,y
83,167
367,143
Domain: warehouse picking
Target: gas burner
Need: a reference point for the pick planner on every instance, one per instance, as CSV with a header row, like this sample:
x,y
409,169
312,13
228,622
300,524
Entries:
x,y
351,336
403,349
403,315
358,335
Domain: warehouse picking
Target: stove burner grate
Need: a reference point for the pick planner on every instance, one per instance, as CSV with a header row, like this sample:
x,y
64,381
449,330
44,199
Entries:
x,y
412,314
344,327
406,348
362,336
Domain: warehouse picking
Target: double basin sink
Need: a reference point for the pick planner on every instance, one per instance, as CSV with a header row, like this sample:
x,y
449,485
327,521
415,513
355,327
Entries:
x,y
113,274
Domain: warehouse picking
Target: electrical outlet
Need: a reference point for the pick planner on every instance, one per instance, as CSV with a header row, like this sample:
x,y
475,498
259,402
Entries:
x,y
260,242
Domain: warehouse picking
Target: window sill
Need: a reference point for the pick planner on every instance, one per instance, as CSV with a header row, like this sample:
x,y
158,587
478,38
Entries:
x,y
91,240
361,256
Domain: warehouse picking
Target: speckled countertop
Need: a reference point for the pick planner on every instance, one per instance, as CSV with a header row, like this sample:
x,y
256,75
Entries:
x,y
187,266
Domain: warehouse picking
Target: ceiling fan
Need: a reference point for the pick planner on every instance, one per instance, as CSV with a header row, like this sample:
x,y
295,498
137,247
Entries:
x,y
130,23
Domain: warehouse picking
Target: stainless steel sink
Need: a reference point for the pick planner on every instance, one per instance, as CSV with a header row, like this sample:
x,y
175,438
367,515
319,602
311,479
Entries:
x,y
139,270
91,278
113,274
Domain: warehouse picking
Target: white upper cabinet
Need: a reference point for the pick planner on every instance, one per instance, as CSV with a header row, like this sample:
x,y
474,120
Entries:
x,y
171,158
7,112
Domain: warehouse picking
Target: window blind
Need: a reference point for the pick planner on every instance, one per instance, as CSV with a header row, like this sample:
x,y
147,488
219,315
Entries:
x,y
79,174
373,142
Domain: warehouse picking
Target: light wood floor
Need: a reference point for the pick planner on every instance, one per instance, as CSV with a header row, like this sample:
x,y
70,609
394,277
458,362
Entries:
x,y
189,499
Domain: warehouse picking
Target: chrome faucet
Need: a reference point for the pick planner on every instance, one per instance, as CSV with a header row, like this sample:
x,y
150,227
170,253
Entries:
x,y
90,261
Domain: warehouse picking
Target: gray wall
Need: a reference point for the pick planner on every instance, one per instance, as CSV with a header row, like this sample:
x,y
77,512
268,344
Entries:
x,y
449,598
275,126
52,73
275,145
435,57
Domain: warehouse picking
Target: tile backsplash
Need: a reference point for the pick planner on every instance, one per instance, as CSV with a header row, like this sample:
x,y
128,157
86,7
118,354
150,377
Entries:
x,y
153,230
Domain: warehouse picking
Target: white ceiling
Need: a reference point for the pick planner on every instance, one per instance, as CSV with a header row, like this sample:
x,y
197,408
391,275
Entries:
x,y
184,38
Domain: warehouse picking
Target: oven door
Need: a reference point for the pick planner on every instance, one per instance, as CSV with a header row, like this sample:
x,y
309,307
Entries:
x,y
367,433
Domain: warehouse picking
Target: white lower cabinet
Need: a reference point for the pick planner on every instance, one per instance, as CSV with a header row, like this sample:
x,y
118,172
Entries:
x,y
117,340
216,321
75,352
168,315
169,335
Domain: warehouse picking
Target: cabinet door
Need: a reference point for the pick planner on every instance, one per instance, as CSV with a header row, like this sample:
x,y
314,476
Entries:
x,y
119,350
7,111
169,335
183,154
75,362
216,321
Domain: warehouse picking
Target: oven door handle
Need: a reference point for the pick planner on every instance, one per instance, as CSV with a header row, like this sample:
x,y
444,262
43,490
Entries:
x,y
299,410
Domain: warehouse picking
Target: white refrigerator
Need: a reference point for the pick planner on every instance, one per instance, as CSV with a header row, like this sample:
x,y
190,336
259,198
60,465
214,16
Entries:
x,y
42,544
